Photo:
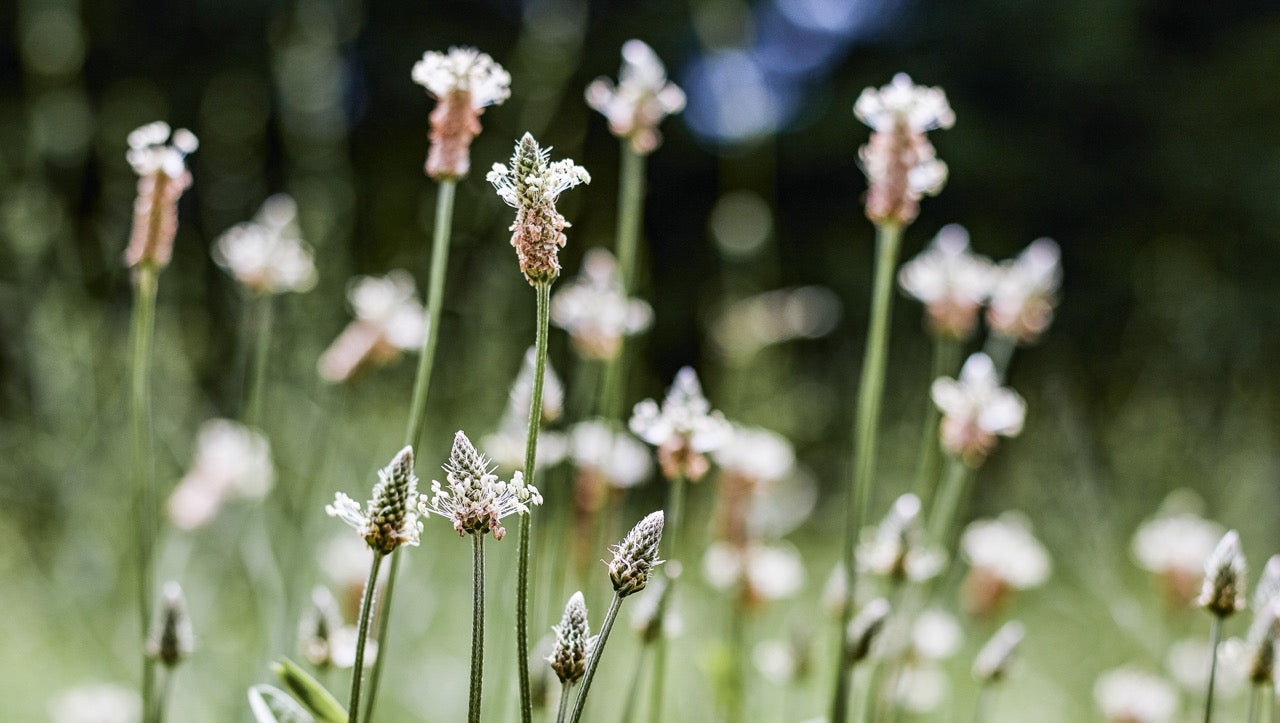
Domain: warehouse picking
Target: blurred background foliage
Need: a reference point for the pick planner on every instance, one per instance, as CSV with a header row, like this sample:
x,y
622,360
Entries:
x,y
1143,136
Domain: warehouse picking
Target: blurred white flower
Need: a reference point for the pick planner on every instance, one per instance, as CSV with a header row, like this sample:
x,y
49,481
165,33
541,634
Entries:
x,y
900,164
951,281
765,572
1003,555
1025,292
619,459
755,453
389,319
345,561
595,311
160,162
1132,695
896,548
1175,546
936,635
992,662
975,408
521,396
96,703
922,687
230,461
1222,591
749,325
777,660
463,70
683,429
1188,664
153,149
640,100
507,445
267,255
904,102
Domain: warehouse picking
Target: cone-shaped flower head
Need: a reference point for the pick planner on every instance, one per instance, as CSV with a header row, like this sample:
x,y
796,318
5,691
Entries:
x,y
391,517
267,255
1222,592
640,100
573,641
975,409
595,310
464,82
992,663
389,319
683,429
636,556
473,498
896,548
863,629
900,163
159,159
951,281
170,640
532,184
1025,292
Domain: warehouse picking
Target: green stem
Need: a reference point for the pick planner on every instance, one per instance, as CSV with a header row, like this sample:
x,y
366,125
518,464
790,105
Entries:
x,y
946,354
362,633
418,405
261,352
594,661
1215,637
530,462
146,279
1000,348
671,531
162,699
866,435
564,701
949,497
1255,694
982,704
630,211
633,688
477,627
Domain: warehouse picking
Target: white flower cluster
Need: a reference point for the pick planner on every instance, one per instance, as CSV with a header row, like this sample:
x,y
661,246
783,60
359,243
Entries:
x,y
1025,292
473,498
951,281
507,445
976,409
389,319
390,519
904,102
533,179
640,100
152,149
463,70
230,461
1003,556
899,161
1132,695
267,255
683,429
618,458
896,548
595,310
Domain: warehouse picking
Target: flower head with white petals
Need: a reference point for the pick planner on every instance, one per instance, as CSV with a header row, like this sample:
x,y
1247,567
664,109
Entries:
x,y
154,149
595,310
640,100
389,319
230,461
896,548
267,255
902,102
951,281
975,409
611,455
683,429
464,82
1132,695
473,498
760,572
1025,292
1003,556
159,159
390,519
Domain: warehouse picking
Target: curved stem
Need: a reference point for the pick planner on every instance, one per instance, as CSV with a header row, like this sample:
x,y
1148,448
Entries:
x,y
146,280
418,404
261,352
477,627
671,531
633,688
594,662
946,354
564,701
946,505
362,633
1215,637
866,436
530,463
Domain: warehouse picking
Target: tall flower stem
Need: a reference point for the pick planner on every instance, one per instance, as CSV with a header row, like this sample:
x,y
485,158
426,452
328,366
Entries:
x,y
594,662
261,352
626,245
146,280
1000,348
633,688
675,508
564,701
543,289
866,435
477,627
362,633
162,699
1255,695
946,504
946,355
418,405
1215,637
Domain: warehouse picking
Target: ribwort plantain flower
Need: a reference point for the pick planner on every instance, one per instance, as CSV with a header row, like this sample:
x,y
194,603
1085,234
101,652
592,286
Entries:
x,y
159,159
267,255
896,548
1003,556
389,320
760,572
464,82
1175,545
1132,695
683,429
1260,644
318,629
635,557
899,161
1222,592
171,640
473,498
595,310
951,281
640,100
532,184
993,660
573,641
391,517
230,461
1025,292
975,409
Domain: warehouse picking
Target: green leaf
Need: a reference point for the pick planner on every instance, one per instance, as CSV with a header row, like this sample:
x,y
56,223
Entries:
x,y
309,692
272,705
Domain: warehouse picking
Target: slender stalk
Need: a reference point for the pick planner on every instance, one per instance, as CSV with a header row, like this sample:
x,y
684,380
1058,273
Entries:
x,y
675,518
1255,694
162,699
1000,348
477,627
146,280
418,405
983,703
530,463
950,495
1215,637
946,354
362,633
633,688
626,245
594,662
866,436
564,701
261,352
